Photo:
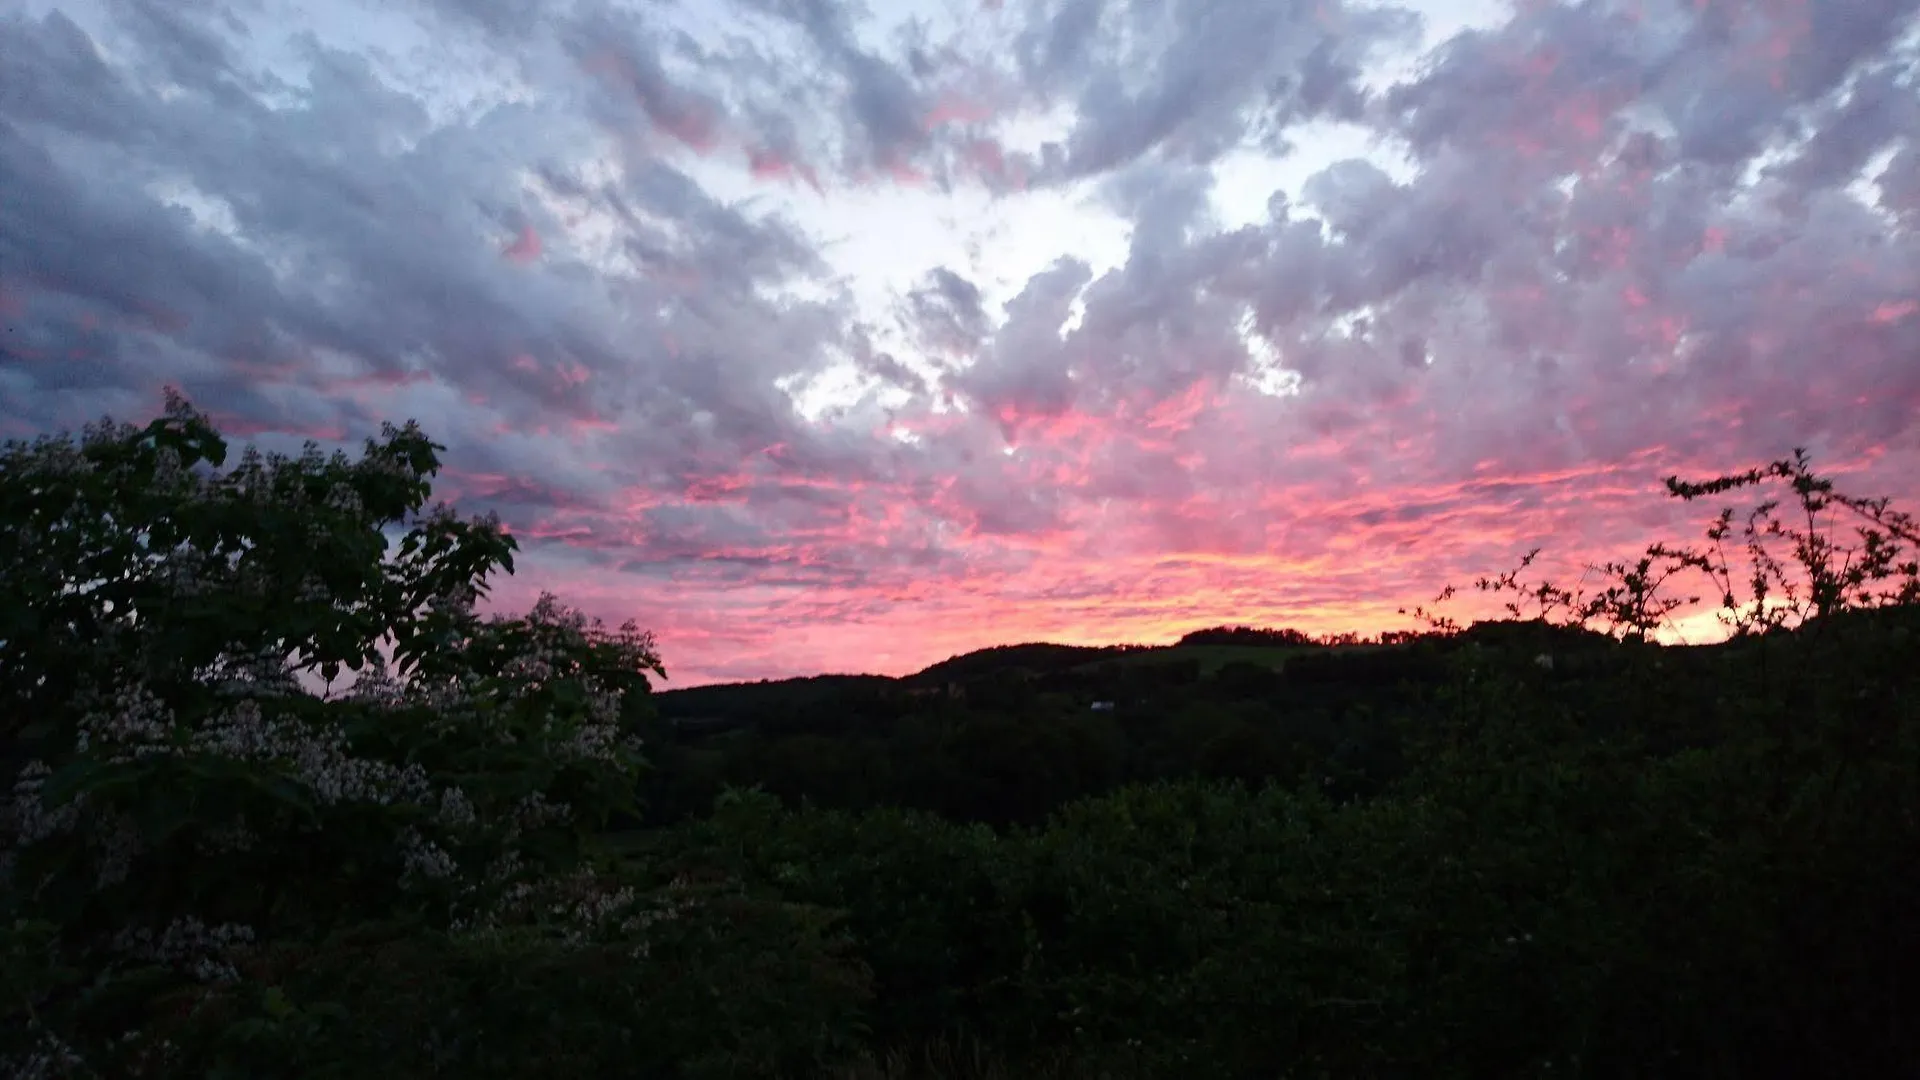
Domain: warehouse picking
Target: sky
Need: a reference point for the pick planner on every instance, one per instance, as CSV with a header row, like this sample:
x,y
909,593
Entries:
x,y
818,337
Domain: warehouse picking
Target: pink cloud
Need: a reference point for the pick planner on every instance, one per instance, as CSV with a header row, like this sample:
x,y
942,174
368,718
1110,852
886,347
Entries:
x,y
1895,311
234,426
525,248
765,163
953,109
905,172
986,159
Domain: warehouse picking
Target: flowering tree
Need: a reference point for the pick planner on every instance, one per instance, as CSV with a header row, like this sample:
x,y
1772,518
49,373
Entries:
x,y
183,793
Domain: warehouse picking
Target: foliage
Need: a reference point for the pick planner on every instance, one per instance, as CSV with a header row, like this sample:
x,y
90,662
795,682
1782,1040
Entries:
x,y
187,811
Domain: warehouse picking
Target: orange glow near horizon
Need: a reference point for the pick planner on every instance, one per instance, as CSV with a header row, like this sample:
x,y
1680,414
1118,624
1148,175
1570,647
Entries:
x,y
1325,564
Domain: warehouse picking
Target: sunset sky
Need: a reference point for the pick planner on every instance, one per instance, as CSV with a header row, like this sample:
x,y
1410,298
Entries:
x,y
820,336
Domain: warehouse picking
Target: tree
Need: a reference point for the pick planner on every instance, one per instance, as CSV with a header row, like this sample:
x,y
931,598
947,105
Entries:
x,y
216,770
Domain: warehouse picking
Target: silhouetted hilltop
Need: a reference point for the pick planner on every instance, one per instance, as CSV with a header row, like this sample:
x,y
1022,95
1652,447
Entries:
x,y
1248,635
727,699
1031,658
1239,659
1530,633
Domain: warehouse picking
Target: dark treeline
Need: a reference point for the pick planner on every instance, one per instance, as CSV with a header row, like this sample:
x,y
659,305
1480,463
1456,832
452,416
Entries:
x,y
1448,858
1006,736
1248,635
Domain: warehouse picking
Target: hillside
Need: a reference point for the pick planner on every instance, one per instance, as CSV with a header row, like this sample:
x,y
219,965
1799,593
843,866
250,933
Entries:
x,y
1089,669
1007,735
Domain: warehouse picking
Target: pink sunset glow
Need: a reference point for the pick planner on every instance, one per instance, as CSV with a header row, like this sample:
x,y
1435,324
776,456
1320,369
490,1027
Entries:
x,y
853,344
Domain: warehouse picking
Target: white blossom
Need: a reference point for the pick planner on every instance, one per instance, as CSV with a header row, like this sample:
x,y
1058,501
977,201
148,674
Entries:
x,y
456,810
187,944
27,819
535,811
139,725
317,754
422,858
51,1057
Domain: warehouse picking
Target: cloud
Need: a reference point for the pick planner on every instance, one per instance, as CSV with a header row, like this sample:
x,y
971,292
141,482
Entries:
x,y
595,253
947,314
1189,80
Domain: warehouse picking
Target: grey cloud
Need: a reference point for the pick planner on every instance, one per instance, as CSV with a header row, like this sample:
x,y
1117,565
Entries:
x,y
54,74
1056,47
1351,195
626,56
1882,109
1187,78
945,315
961,294
887,109
504,19
1023,367
1900,184
821,98
391,261
1154,329
1164,203
1494,87
1839,36
1442,228
887,104
186,43
886,367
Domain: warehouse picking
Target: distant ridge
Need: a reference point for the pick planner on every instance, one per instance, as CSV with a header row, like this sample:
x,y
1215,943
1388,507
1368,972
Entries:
x,y
1044,657
1037,657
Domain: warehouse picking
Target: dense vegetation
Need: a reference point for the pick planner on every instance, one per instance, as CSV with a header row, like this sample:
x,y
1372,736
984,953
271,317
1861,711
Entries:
x,y
282,804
